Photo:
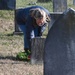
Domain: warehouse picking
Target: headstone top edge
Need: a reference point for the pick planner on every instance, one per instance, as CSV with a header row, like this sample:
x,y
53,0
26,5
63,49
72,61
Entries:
x,y
56,12
71,9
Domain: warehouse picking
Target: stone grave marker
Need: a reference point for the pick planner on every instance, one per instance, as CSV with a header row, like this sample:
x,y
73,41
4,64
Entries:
x,y
37,50
59,50
59,5
17,29
73,2
7,4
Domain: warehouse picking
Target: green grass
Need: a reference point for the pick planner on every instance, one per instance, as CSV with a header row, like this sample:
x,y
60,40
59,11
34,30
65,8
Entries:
x,y
25,3
70,4
8,14
47,5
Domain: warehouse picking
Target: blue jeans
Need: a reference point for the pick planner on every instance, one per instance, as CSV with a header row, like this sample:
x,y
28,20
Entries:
x,y
34,34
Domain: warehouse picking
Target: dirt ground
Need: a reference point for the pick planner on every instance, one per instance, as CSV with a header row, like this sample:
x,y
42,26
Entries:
x,y
9,47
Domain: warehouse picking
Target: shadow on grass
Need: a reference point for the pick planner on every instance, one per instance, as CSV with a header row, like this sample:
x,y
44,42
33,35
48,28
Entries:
x,y
8,57
12,34
11,60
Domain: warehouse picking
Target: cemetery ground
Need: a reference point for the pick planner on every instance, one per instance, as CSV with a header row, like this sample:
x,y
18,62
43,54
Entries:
x,y
10,45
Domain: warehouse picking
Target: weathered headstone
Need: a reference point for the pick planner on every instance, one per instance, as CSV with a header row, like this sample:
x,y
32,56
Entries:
x,y
17,29
37,50
59,5
73,2
7,4
59,50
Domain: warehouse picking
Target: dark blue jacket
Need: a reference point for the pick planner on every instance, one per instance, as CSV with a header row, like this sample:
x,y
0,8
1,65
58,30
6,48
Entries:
x,y
23,18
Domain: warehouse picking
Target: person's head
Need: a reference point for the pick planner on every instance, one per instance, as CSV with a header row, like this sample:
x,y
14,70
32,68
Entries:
x,y
40,16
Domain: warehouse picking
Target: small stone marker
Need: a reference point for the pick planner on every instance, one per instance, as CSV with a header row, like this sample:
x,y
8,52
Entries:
x,y
59,5
59,51
73,2
17,29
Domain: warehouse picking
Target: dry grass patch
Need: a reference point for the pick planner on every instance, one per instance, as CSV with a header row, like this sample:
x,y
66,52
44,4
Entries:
x,y
10,45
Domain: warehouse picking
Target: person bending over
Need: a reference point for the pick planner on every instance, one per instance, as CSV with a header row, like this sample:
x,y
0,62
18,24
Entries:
x,y
32,21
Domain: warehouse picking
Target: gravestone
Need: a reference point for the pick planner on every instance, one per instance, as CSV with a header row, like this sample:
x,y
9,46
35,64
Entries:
x,y
17,29
7,4
59,50
59,5
54,16
73,2
37,50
